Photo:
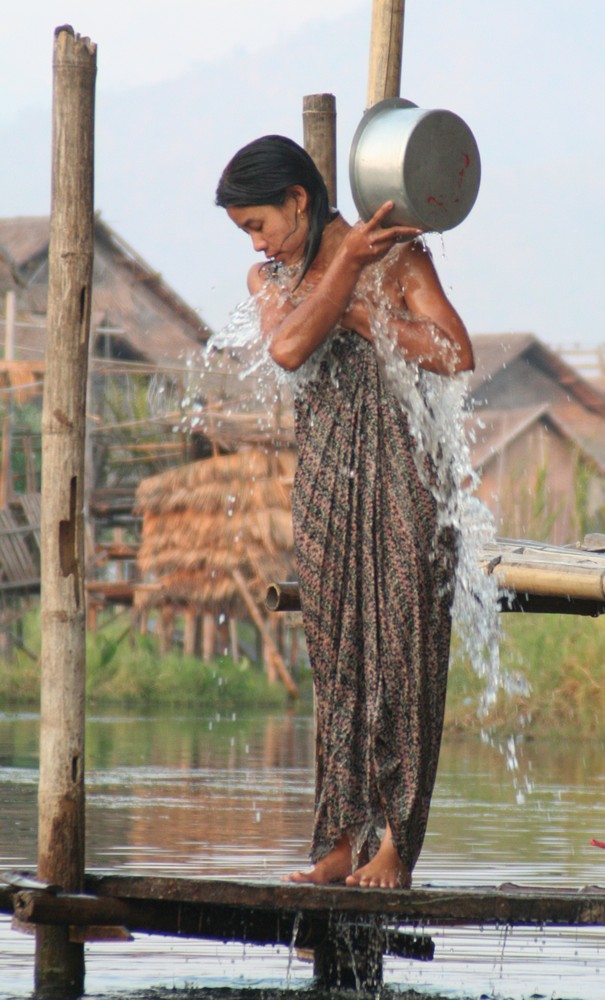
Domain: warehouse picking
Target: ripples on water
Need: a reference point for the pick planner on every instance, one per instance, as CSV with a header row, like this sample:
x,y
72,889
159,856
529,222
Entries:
x,y
168,796
171,796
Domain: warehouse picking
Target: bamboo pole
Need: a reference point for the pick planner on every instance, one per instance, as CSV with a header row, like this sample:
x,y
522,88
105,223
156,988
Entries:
x,y
584,583
60,964
386,47
319,131
549,572
9,329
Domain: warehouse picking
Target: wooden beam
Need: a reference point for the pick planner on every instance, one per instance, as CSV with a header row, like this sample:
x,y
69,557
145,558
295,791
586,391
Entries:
x,y
446,906
109,896
386,47
198,920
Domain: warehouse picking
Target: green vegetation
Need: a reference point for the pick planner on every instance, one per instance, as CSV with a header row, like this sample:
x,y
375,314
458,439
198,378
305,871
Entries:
x,y
126,669
552,678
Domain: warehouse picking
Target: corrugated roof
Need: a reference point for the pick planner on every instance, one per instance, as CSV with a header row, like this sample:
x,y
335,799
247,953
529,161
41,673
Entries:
x,y
25,237
491,431
144,315
494,430
495,351
584,428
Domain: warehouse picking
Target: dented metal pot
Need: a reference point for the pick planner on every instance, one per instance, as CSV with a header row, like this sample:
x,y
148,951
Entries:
x,y
427,162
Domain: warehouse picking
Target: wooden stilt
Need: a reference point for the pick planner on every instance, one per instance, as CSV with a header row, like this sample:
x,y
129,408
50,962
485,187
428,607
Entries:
x,y
350,956
59,963
209,636
190,617
268,640
233,639
166,628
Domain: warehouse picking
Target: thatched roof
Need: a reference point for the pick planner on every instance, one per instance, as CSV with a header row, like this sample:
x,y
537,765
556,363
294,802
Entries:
x,y
204,520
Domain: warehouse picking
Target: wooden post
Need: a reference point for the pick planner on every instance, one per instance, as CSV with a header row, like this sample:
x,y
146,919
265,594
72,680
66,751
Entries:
x,y
319,130
165,623
209,632
257,618
233,641
386,46
6,479
9,329
190,629
60,964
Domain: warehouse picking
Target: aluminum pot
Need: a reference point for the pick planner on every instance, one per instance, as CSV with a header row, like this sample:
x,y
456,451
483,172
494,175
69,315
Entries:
x,y
427,162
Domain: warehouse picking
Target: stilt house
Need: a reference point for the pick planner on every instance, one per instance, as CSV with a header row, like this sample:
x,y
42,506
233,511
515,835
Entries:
x,y
539,440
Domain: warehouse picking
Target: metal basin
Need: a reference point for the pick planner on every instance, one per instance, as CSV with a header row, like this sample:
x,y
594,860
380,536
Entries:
x,y
427,162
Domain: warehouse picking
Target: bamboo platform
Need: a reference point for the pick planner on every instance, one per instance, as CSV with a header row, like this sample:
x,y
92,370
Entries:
x,y
349,930
532,577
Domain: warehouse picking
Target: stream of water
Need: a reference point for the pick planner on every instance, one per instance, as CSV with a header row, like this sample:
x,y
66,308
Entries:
x,y
232,796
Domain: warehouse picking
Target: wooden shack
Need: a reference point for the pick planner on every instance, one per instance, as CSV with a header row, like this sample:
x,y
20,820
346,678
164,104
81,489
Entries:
x,y
141,330
136,316
538,429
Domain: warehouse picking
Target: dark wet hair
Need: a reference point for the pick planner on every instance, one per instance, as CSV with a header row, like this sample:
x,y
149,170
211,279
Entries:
x,y
261,173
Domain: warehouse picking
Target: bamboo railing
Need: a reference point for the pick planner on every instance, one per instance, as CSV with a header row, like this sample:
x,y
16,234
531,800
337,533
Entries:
x,y
532,577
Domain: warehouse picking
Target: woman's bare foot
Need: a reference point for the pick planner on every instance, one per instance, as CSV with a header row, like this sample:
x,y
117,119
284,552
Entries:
x,y
385,870
334,867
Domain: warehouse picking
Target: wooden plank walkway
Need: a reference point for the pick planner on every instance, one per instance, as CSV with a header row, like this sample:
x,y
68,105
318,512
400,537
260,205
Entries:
x,y
349,930
450,905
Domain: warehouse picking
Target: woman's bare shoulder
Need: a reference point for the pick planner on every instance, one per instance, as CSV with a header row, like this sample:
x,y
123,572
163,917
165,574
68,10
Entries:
x,y
256,278
260,275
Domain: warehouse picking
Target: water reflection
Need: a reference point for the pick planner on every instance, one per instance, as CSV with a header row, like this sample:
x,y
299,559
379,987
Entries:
x,y
233,796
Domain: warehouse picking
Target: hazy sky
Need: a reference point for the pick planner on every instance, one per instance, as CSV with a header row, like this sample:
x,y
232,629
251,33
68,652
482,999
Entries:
x,y
143,41
182,85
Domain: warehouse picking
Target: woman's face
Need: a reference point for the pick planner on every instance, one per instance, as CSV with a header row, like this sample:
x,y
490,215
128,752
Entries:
x,y
278,231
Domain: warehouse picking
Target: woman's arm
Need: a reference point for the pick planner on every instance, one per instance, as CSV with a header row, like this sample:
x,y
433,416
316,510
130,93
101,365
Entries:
x,y
295,330
435,337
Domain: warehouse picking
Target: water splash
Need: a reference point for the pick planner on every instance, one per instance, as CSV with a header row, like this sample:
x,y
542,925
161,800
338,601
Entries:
x,y
436,407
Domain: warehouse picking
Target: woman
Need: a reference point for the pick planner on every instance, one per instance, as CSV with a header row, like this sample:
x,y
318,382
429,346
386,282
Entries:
x,y
375,567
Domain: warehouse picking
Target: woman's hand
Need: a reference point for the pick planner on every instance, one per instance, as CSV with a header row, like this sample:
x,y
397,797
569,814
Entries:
x,y
368,242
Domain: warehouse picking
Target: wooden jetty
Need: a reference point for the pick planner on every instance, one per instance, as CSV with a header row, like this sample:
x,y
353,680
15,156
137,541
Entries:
x,y
348,930
532,577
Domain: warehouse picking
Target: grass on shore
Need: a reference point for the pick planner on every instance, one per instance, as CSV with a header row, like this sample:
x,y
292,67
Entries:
x,y
552,678
125,668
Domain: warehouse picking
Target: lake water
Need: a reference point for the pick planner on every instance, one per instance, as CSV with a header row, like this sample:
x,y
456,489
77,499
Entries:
x,y
233,796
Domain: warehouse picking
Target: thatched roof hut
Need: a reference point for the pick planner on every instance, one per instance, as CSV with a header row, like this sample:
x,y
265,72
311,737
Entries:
x,y
205,522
